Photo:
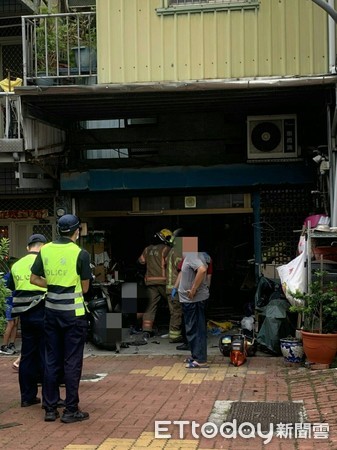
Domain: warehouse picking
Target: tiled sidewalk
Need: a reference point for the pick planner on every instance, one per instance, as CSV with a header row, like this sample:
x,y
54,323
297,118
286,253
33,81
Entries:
x,y
134,391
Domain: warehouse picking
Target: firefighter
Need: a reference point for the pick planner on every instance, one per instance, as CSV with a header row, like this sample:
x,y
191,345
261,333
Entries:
x,y
153,257
28,303
64,269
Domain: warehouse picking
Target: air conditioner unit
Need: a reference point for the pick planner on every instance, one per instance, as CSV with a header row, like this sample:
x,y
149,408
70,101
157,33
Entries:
x,y
272,137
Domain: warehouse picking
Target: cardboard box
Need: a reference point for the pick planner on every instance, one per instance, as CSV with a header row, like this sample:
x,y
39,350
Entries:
x,y
99,248
100,273
269,271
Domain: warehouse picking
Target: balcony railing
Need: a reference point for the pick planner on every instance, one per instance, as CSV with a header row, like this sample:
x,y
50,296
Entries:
x,y
59,49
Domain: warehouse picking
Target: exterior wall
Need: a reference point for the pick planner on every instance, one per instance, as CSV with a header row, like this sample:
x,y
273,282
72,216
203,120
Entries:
x,y
279,38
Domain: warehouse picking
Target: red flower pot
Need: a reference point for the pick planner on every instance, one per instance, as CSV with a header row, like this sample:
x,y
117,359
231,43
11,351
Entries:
x,y
319,348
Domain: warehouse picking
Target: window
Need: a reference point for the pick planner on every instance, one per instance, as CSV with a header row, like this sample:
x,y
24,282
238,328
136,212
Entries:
x,y
185,6
200,2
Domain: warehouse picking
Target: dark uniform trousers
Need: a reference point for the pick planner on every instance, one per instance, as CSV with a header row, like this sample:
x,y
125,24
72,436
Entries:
x,y
65,339
32,361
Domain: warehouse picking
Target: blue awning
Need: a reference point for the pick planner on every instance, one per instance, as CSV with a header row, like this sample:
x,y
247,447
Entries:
x,y
177,177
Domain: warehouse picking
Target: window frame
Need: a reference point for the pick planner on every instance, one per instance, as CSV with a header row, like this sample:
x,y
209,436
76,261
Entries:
x,y
169,8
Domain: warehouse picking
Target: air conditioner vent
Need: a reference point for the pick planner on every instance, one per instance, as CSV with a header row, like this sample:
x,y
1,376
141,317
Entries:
x,y
272,137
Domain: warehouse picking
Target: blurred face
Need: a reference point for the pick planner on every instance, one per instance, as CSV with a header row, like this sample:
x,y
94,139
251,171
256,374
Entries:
x,y
189,245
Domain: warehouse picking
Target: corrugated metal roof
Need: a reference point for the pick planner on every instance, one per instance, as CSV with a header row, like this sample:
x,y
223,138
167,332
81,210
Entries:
x,y
64,105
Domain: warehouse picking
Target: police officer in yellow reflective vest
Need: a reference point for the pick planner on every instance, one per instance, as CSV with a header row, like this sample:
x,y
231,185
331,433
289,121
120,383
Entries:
x,y
28,303
64,268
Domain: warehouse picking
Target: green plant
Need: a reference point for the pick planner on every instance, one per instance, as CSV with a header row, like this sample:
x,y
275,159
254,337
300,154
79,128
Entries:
x,y
4,292
82,31
50,43
318,305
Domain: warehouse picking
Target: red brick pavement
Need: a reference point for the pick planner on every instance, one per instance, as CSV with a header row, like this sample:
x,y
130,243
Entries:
x,y
138,390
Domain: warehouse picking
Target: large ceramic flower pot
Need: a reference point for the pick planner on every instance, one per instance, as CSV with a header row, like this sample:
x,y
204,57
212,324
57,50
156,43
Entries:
x,y
86,58
319,348
292,350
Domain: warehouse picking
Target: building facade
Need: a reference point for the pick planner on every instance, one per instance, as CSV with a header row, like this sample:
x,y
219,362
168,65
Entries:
x,y
204,115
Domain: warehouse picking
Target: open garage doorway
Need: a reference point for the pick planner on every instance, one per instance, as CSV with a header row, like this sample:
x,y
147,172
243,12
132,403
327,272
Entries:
x,y
228,238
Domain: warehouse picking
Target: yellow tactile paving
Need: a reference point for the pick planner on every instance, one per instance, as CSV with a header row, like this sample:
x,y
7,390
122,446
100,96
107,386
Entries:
x,y
145,441
178,372
116,444
159,371
81,447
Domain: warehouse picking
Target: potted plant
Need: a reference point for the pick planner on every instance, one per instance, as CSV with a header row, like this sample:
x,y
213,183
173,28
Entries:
x,y
292,349
82,36
319,311
50,47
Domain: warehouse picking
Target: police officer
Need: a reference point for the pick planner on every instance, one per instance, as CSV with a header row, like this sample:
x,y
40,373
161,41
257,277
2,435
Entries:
x,y
28,302
64,268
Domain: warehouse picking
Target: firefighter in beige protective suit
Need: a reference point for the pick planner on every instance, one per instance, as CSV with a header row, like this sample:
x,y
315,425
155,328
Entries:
x,y
154,257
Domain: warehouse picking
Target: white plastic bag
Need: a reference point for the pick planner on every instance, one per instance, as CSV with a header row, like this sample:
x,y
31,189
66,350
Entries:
x,y
248,323
293,278
301,244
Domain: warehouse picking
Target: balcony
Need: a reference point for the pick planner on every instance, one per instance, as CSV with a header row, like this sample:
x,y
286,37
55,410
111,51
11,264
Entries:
x,y
59,49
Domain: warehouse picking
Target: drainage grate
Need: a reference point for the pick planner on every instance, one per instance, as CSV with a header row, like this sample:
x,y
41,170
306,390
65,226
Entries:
x,y
263,413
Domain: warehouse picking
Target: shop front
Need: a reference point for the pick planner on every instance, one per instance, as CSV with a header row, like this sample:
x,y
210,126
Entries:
x,y
241,218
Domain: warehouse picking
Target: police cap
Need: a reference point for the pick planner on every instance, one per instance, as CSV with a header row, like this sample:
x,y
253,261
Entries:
x,y
68,223
36,238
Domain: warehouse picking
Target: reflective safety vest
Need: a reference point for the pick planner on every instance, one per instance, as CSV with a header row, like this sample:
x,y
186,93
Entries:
x,y
64,292
26,295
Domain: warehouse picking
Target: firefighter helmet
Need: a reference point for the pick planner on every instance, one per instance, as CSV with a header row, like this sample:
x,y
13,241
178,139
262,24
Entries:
x,y
165,235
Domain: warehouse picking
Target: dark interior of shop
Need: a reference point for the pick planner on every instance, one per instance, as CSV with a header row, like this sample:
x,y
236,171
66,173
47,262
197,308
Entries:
x,y
228,238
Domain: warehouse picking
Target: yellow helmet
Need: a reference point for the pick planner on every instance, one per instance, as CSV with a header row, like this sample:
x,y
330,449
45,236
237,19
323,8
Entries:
x,y
165,235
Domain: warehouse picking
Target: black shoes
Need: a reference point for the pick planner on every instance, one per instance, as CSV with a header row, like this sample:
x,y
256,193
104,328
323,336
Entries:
x,y
183,346
67,416
35,401
51,416
71,417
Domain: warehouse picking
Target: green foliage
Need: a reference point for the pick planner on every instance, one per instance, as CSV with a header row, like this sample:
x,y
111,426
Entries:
x,y
56,36
50,44
319,305
4,292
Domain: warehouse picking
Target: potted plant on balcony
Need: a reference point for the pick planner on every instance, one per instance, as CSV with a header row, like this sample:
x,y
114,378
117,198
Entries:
x,y
83,37
50,47
319,309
